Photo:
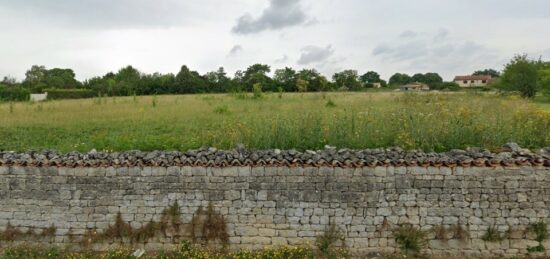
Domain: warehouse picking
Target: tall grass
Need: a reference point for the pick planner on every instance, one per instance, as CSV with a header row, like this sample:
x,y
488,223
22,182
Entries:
x,y
302,121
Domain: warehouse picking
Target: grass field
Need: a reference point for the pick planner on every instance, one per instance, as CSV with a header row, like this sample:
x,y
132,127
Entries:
x,y
301,121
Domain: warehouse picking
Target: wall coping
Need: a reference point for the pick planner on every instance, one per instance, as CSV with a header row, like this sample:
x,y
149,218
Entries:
x,y
511,155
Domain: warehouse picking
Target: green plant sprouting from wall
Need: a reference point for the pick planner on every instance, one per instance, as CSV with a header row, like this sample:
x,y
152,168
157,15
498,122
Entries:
x,y
492,235
540,230
410,239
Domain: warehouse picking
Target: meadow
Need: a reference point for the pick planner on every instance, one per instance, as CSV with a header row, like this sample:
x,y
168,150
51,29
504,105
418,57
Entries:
x,y
429,121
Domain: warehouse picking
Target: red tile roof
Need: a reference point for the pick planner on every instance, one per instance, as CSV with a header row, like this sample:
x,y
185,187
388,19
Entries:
x,y
480,77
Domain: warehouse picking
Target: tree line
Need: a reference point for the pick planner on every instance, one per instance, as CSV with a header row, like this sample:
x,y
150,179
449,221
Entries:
x,y
130,81
521,74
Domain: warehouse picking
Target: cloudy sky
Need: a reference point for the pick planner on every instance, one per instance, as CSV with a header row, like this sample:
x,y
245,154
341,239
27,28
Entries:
x,y
97,36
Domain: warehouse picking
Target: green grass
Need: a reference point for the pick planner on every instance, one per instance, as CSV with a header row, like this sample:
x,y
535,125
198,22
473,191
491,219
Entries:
x,y
438,121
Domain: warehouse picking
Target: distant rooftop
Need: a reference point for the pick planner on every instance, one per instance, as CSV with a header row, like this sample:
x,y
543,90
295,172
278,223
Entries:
x,y
479,77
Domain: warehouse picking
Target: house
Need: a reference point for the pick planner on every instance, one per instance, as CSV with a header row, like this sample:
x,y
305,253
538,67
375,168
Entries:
x,y
473,81
39,97
376,85
416,86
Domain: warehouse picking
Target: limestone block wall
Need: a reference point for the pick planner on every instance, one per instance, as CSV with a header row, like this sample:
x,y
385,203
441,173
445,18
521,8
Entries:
x,y
281,205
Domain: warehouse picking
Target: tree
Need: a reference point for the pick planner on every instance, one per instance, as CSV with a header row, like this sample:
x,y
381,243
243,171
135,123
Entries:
x,y
487,72
521,75
188,81
257,73
217,81
315,81
39,78
418,77
10,81
302,85
544,81
347,79
370,77
399,79
432,79
286,79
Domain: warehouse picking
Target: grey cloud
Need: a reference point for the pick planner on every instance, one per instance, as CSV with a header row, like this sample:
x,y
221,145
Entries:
x,y
101,13
235,50
408,34
441,34
278,15
283,59
436,51
314,54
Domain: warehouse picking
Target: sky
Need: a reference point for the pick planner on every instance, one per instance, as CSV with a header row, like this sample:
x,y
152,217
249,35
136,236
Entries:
x,y
93,37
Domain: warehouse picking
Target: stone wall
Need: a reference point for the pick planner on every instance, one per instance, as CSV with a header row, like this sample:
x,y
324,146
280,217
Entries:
x,y
269,206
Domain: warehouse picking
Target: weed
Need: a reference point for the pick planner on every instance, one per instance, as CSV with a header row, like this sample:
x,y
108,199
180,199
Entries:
x,y
207,226
10,233
460,233
540,229
12,108
280,92
441,232
492,235
326,243
410,239
49,232
154,101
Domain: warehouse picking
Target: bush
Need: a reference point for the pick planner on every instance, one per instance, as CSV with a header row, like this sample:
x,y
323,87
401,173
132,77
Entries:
x,y
14,93
56,94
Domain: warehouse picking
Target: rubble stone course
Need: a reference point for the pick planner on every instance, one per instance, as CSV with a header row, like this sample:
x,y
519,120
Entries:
x,y
271,202
510,155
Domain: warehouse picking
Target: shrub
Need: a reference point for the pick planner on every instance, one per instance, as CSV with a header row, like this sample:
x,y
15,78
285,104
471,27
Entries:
x,y
257,90
410,239
56,94
14,94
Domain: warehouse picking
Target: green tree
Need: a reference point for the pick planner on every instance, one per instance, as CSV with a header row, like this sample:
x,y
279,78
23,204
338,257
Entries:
x,y
257,73
487,72
432,79
418,77
544,81
285,78
520,74
315,81
347,79
370,77
302,85
188,81
399,79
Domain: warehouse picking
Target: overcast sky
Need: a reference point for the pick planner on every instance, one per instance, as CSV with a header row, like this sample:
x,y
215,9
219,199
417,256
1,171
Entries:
x,y
94,37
